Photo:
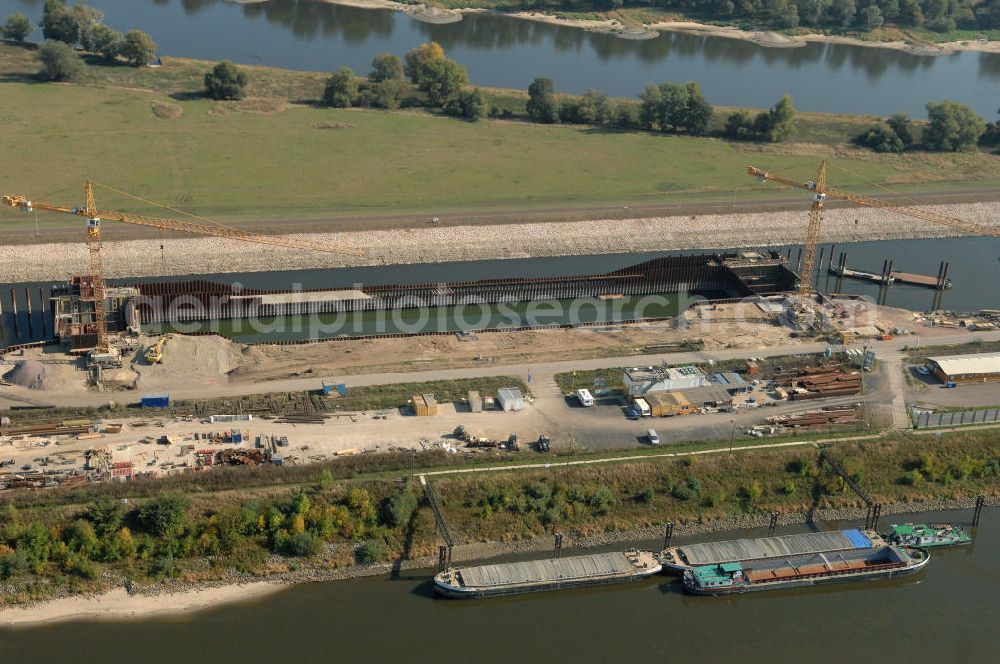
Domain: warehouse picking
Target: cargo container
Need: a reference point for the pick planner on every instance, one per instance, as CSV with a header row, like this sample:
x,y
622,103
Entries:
x,y
155,401
475,402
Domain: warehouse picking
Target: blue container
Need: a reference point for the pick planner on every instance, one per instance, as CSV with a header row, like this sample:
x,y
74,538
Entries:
x,y
155,401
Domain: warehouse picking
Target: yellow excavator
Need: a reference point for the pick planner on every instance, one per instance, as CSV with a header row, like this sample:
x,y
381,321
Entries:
x,y
154,354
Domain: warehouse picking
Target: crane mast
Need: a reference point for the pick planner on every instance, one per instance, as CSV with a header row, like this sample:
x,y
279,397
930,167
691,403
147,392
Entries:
x,y
821,191
95,216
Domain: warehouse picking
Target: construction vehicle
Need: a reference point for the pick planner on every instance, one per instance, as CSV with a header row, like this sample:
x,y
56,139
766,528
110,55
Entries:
x,y
104,353
154,354
821,191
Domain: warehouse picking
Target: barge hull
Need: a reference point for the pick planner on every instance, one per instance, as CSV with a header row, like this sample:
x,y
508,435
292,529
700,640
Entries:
x,y
875,575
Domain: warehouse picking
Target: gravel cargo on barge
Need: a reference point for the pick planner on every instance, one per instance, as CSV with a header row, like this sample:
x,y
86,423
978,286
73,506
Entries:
x,y
680,559
540,575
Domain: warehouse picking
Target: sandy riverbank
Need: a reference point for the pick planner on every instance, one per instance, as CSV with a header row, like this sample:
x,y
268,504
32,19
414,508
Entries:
x,y
151,603
119,605
766,38
142,258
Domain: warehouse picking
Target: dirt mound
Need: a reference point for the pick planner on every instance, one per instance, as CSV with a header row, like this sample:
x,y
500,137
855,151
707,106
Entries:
x,y
166,111
35,375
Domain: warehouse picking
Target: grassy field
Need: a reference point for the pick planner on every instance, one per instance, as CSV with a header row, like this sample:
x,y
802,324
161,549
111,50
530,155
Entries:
x,y
272,156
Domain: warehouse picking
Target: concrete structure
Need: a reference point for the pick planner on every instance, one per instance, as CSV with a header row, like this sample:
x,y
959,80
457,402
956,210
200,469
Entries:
x,y
643,380
730,381
425,405
510,399
971,368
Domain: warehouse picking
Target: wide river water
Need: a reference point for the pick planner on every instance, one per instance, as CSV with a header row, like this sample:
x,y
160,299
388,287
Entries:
x,y
508,52
948,613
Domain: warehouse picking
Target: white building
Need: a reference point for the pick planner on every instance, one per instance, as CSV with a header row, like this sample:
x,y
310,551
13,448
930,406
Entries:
x,y
643,380
510,398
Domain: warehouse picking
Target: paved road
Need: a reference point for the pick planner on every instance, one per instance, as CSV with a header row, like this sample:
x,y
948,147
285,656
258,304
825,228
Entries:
x,y
541,372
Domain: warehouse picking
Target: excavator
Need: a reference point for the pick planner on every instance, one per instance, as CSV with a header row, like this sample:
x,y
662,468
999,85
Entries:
x,y
154,354
104,353
821,191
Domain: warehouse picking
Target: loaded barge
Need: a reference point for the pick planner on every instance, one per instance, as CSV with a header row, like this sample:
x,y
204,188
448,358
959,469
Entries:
x,y
683,558
885,562
598,569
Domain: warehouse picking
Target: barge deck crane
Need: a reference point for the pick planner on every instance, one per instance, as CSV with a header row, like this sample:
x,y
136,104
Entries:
x,y
103,352
821,191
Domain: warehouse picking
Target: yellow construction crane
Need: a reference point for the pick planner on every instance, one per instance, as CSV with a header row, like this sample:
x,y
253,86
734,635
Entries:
x,y
821,191
95,216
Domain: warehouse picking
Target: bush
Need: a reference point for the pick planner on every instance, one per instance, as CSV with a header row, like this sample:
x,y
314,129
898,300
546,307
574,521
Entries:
x,y
681,492
59,23
672,107
418,56
107,42
138,48
646,496
59,62
341,89
386,67
372,551
164,567
303,544
542,106
388,93
17,27
106,515
398,508
225,81
164,514
952,127
469,104
442,79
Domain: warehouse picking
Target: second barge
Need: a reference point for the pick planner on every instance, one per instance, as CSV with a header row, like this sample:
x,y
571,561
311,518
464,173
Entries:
x,y
680,559
500,579
886,562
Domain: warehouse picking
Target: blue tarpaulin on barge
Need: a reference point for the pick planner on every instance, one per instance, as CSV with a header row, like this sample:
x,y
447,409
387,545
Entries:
x,y
857,538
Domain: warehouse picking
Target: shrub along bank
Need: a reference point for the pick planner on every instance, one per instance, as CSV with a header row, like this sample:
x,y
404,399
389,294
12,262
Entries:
x,y
70,545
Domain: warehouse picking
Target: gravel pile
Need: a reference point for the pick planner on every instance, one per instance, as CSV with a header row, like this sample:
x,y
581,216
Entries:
x,y
140,258
28,373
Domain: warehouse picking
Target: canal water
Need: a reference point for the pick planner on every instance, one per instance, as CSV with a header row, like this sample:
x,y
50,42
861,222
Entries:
x,y
947,613
974,269
507,52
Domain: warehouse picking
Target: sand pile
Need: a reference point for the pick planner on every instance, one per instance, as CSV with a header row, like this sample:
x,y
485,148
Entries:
x,y
35,375
205,360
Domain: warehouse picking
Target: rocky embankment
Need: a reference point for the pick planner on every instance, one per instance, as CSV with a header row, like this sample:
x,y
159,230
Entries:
x,y
142,258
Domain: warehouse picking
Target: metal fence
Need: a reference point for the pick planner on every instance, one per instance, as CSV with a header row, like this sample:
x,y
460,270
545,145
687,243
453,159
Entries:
x,y
957,418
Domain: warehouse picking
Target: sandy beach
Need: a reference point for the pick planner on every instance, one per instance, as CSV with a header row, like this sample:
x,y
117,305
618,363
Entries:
x,y
435,244
119,605
766,38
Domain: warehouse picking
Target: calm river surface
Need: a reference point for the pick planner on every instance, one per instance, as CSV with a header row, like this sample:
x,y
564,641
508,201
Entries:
x,y
507,52
946,614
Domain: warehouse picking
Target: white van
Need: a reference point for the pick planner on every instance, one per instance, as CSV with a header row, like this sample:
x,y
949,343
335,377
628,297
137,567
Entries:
x,y
654,438
585,397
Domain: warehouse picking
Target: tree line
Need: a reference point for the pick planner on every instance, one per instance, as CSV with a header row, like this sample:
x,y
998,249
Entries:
x,y
66,27
862,15
951,127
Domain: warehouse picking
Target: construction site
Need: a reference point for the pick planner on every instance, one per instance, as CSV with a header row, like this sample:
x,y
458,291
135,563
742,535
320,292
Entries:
x,y
109,388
